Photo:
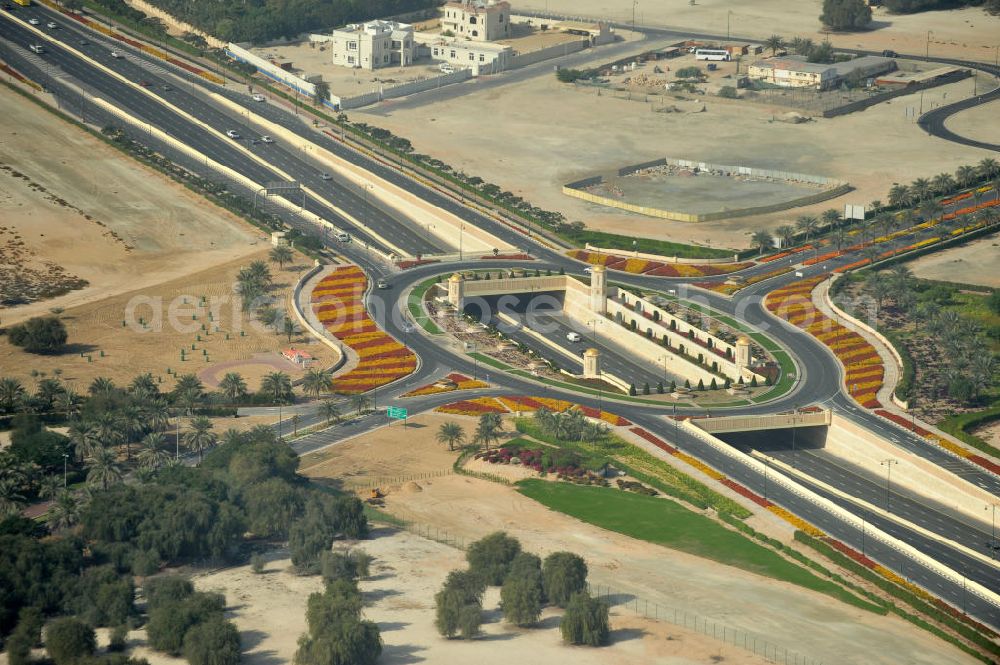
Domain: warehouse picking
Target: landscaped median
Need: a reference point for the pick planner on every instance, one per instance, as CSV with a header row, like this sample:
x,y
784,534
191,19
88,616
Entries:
x,y
940,441
863,368
450,383
338,301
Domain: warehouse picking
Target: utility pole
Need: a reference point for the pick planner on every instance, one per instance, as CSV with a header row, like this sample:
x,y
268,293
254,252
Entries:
x,y
794,454
66,457
887,463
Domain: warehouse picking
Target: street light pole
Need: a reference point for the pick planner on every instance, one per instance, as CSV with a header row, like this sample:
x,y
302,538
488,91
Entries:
x,y
66,457
993,547
927,51
795,458
887,463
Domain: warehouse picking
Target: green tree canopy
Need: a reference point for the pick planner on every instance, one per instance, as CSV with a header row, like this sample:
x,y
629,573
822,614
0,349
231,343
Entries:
x,y
491,557
563,574
845,14
68,639
585,621
42,334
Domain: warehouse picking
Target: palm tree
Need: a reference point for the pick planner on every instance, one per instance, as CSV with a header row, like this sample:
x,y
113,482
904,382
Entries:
x,y
901,277
107,430
201,437
47,391
360,402
152,456
101,386
899,195
157,414
488,430
930,209
289,328
188,386
281,255
68,403
807,225
233,387
133,426
104,469
762,240
775,43
965,175
920,189
81,437
452,434
830,218
315,382
840,238
64,513
49,486
296,419
278,385
943,183
787,234
11,499
988,168
330,411
12,394
144,386
233,437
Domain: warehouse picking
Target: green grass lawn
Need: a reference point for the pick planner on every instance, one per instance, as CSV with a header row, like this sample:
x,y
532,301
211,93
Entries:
x,y
416,307
648,245
666,523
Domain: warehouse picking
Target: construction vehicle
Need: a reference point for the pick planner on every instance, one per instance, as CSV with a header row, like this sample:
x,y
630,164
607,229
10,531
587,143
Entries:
x,y
376,498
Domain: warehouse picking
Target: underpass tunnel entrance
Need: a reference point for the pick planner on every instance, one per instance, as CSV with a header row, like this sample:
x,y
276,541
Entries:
x,y
520,306
771,441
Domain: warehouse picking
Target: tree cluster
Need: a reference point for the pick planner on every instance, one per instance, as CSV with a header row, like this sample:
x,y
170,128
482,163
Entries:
x,y
914,6
337,633
189,622
845,14
265,20
526,583
42,334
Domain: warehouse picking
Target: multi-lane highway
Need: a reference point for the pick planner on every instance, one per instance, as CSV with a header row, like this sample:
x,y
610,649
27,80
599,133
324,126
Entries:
x,y
189,115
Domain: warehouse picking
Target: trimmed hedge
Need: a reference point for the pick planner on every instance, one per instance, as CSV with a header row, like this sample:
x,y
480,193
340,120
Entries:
x,y
959,426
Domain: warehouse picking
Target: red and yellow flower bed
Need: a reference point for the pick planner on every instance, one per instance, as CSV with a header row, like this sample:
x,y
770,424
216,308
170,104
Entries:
x,y
822,257
518,404
639,266
785,253
338,303
473,407
452,382
863,368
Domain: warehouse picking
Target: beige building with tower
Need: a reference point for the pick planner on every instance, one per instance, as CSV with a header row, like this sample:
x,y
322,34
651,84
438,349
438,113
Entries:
x,y
477,20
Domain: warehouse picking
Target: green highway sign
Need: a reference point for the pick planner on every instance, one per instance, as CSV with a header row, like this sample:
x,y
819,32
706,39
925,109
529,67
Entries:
x,y
396,412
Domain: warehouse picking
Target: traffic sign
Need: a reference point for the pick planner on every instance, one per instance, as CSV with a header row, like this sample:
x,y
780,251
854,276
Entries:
x,y
396,412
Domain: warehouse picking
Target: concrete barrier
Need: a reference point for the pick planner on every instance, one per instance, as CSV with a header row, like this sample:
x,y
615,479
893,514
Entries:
x,y
657,257
844,515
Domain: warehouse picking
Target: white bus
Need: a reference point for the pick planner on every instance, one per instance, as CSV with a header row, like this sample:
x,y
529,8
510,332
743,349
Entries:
x,y
711,54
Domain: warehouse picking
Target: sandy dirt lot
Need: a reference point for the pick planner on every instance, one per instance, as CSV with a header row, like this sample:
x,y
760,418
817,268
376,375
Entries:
x,y
120,226
528,154
974,263
964,33
269,610
466,508
128,350
979,123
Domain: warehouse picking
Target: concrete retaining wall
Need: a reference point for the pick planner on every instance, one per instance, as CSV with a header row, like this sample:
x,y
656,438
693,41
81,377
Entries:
x,y
842,514
547,53
919,477
834,189
750,423
272,71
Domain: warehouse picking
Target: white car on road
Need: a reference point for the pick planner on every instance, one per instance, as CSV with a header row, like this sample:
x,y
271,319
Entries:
x,y
232,133
258,97
573,337
33,21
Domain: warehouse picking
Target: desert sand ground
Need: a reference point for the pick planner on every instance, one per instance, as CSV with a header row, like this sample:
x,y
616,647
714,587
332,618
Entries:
x,y
978,123
129,350
974,263
269,610
528,154
142,229
962,33
467,508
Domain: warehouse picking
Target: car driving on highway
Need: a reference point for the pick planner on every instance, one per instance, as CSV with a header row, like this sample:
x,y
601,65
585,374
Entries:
x,y
258,97
573,337
33,21
116,55
232,133
326,176
266,139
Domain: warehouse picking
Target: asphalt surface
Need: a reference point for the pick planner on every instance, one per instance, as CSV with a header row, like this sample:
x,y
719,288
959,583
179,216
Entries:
x,y
818,373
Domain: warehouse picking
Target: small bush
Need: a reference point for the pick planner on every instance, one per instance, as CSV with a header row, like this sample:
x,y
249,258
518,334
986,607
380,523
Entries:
x,y
728,91
118,639
257,564
42,334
